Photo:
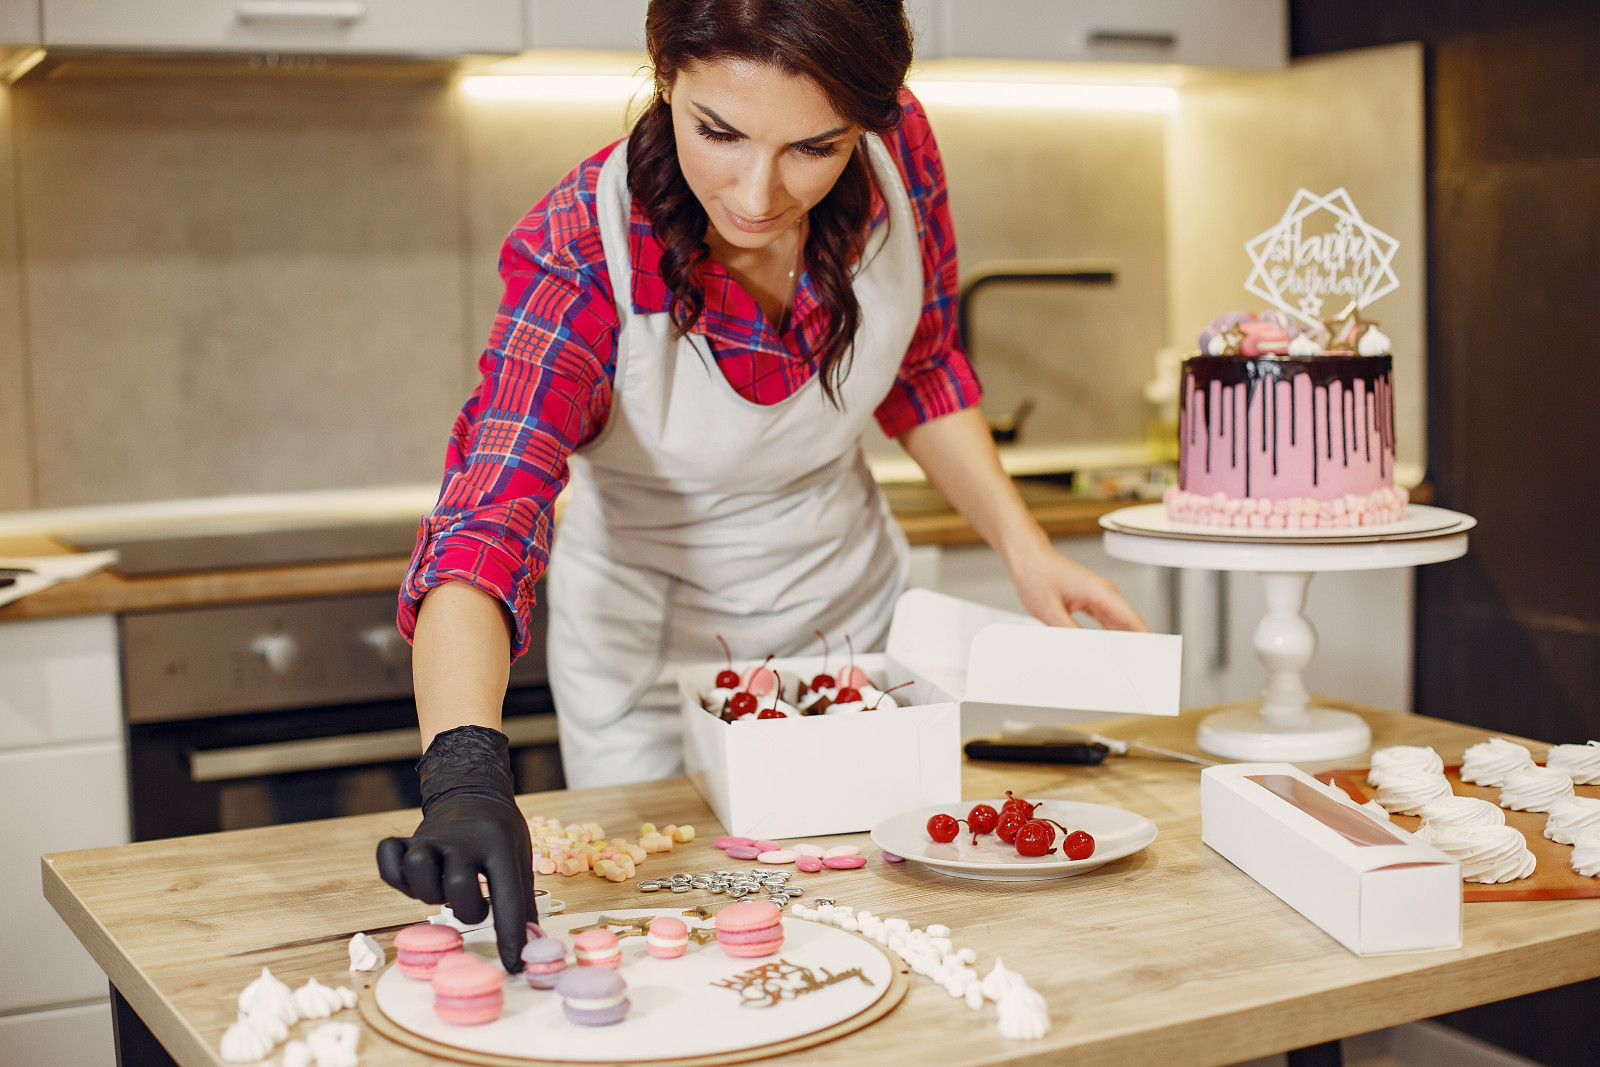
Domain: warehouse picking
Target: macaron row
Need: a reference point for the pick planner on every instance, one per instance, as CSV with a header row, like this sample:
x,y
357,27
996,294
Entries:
x,y
805,856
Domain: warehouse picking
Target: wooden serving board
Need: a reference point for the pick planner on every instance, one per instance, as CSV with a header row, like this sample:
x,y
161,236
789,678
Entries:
x,y
636,1048
1552,879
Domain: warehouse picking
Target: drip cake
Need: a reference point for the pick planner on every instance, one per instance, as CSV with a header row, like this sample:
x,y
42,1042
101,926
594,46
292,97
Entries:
x,y
1285,425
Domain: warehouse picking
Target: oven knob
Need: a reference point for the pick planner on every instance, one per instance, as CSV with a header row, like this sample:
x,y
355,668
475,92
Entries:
x,y
388,643
277,651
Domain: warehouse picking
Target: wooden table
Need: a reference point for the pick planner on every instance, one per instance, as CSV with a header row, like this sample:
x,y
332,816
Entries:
x,y
1169,956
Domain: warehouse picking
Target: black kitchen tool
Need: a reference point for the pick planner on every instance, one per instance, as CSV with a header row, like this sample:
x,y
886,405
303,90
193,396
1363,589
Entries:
x,y
1080,752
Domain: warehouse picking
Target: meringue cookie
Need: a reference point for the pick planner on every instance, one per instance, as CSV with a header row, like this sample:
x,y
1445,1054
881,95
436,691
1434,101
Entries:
x,y
1403,760
1488,762
1217,346
244,1043
1448,813
1023,1013
271,1025
1377,811
1406,794
1572,818
1374,342
716,699
1487,854
1304,345
1534,789
365,953
268,996
334,1044
317,1001
1581,763
298,1054
1586,855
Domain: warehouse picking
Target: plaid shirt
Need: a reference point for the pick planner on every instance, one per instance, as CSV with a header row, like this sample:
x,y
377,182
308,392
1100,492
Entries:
x,y
551,361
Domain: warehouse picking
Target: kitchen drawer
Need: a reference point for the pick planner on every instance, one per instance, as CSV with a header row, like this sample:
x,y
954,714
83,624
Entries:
x,y
19,22
613,25
342,27
59,681
1222,33
55,800
279,654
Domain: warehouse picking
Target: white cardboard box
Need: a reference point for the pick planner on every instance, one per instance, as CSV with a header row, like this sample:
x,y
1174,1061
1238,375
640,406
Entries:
x,y
1367,883
834,774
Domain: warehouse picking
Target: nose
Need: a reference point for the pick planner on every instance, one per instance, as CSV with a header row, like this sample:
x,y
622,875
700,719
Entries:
x,y
758,189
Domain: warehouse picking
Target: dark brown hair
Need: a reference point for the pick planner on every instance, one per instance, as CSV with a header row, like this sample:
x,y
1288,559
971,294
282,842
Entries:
x,y
857,53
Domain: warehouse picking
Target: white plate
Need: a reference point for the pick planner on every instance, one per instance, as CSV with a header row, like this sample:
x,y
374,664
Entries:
x,y
1117,833
1421,521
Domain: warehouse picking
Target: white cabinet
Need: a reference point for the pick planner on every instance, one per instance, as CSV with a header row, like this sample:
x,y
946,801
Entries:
x,y
63,786
614,25
333,27
19,22
1219,33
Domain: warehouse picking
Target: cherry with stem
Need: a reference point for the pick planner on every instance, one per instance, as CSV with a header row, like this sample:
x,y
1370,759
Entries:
x,y
777,690
823,680
886,692
728,678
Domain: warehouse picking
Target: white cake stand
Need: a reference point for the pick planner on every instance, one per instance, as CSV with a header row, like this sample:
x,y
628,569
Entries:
x,y
1286,727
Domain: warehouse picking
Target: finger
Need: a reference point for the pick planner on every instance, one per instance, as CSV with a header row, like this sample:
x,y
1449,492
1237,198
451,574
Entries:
x,y
391,862
422,874
1115,613
462,890
512,913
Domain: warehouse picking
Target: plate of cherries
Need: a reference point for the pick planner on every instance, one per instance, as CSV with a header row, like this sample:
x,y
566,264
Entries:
x,y
1015,838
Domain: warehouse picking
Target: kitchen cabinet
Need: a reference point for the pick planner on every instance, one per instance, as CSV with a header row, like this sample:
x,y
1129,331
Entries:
x,y
1221,33
615,25
19,22
421,28
63,786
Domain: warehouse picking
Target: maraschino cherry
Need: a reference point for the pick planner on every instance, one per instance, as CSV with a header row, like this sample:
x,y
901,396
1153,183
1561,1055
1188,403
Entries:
x,y
823,680
943,828
1011,821
777,688
728,678
1023,807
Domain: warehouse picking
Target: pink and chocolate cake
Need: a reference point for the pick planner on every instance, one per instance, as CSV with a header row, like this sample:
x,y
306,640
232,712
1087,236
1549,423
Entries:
x,y
1289,439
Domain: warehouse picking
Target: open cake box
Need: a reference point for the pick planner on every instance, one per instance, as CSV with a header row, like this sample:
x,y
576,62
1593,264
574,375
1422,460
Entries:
x,y
834,774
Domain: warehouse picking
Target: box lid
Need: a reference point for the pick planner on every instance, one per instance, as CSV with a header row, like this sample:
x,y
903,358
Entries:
x,y
980,654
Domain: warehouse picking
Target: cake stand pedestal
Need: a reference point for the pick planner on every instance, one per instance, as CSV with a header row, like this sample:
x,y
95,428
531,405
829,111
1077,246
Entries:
x,y
1287,726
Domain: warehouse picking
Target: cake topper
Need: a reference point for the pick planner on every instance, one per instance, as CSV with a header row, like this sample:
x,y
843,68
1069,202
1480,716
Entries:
x,y
766,985
1321,251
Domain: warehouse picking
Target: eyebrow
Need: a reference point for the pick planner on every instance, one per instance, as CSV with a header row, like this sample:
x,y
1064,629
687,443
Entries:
x,y
731,128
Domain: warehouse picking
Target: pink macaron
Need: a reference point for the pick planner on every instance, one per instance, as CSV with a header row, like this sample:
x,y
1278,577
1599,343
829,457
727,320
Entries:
x,y
468,993
597,948
750,928
418,949
668,938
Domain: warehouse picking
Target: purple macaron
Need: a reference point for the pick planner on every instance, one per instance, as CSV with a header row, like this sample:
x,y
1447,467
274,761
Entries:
x,y
594,996
544,960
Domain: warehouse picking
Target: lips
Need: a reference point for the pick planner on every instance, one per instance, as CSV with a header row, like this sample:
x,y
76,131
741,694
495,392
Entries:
x,y
753,225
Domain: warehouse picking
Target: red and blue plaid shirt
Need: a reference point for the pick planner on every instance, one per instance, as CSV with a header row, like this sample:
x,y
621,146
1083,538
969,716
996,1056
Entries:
x,y
551,361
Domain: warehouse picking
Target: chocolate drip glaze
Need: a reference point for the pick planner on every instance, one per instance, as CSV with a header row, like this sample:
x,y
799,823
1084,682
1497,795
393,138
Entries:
x,y
1327,373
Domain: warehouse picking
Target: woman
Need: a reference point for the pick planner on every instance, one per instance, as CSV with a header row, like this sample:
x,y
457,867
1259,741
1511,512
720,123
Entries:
x,y
699,327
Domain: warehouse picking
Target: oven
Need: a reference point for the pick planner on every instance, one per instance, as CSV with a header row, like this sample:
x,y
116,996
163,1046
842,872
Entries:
x,y
283,711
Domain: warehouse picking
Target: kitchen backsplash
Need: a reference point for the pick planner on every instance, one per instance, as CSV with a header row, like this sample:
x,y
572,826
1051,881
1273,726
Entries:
x,y
215,285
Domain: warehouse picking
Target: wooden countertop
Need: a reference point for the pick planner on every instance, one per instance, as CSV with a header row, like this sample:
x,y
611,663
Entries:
x,y
922,513
1171,955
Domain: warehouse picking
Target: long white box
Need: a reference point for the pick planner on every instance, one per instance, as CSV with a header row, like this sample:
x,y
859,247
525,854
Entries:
x,y
1367,883
833,774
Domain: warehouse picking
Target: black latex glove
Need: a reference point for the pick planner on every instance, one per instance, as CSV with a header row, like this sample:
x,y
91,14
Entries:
x,y
470,824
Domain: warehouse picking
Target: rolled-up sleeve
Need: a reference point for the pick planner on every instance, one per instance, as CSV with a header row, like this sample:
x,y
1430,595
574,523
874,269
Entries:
x,y
546,390
935,377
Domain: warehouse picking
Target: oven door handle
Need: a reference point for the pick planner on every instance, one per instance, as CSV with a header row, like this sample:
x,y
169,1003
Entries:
x,y
317,753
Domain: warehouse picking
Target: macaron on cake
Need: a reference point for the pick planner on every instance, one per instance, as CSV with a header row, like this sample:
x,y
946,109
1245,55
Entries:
x,y
469,992
594,996
667,939
597,948
544,960
750,928
418,949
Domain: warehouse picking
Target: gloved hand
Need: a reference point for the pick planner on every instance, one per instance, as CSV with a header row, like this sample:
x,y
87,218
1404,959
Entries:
x,y
470,824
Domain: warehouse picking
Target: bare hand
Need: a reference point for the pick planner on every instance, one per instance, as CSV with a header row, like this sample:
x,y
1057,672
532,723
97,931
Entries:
x,y
1053,588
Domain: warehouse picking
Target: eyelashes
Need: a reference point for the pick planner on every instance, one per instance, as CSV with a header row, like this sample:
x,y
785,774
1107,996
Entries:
x,y
716,136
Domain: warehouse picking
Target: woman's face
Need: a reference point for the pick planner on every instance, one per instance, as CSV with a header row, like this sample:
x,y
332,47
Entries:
x,y
759,147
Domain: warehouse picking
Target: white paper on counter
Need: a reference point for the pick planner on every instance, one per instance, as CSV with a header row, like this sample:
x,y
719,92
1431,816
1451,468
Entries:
x,y
51,570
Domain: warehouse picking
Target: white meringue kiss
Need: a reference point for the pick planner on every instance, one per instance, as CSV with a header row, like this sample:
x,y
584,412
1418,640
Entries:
x,y
1572,818
1488,762
1586,855
1403,760
1534,789
1488,854
1581,763
1407,794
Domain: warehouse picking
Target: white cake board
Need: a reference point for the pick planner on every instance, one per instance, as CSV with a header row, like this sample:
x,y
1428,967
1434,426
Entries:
x,y
1286,727
677,1013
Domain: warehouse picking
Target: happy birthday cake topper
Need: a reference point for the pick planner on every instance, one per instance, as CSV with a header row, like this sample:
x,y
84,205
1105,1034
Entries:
x,y
1321,251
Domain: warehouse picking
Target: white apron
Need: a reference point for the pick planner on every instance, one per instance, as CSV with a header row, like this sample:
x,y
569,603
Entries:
x,y
697,512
